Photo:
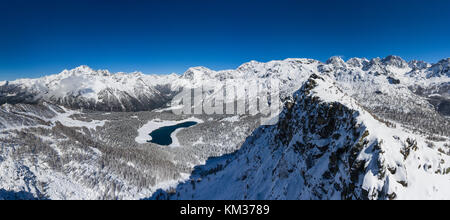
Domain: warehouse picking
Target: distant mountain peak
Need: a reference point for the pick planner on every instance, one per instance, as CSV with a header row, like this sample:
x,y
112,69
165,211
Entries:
x,y
358,62
418,65
335,60
395,61
441,68
85,70
444,62
198,72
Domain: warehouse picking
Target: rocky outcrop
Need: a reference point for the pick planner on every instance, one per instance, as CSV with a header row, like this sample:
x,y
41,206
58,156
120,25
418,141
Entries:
x,y
325,146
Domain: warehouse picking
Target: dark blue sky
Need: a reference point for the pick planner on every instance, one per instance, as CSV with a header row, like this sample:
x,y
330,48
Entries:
x,y
44,37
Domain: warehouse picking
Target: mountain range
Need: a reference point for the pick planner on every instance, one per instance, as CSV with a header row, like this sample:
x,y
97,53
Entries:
x,y
355,129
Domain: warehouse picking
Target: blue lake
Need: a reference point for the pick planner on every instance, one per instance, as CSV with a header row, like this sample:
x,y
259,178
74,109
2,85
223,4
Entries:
x,y
161,135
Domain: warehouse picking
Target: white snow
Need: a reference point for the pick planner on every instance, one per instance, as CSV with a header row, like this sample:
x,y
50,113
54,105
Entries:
x,y
231,119
66,120
169,108
199,141
260,170
353,83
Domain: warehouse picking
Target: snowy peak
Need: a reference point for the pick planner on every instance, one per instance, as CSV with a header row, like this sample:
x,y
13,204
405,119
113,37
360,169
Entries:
x,y
321,87
83,68
395,61
442,68
336,61
344,145
389,64
197,73
358,62
84,71
419,65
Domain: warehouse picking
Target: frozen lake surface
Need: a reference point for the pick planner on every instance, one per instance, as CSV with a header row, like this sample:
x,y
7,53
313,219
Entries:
x,y
162,136
164,131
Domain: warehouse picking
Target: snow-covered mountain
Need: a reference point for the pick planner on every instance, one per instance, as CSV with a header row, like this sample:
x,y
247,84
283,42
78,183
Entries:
x,y
360,129
325,146
85,88
440,69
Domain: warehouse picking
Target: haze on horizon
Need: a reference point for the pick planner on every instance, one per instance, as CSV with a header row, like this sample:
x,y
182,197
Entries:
x,y
44,37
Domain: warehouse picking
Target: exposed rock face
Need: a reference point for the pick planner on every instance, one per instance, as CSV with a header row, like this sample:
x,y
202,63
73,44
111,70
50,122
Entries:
x,y
442,68
356,129
395,61
325,146
418,65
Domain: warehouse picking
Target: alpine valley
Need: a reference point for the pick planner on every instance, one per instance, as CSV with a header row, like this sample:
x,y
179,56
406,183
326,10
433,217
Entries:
x,y
355,129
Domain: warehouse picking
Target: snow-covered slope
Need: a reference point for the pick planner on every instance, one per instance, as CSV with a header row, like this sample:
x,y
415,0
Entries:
x,y
361,106
440,69
325,146
50,152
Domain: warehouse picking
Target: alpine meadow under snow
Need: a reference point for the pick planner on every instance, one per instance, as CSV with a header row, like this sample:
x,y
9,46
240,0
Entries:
x,y
355,129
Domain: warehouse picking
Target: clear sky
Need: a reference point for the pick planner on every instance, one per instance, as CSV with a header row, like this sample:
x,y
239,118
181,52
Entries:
x,y
164,36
